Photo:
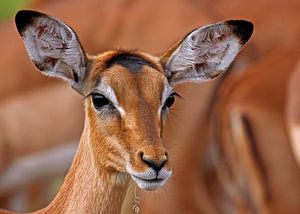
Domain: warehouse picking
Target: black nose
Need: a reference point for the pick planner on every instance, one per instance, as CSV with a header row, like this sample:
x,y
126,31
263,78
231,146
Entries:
x,y
156,165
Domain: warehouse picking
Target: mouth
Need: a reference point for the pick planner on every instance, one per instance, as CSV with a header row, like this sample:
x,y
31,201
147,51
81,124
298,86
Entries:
x,y
150,180
149,184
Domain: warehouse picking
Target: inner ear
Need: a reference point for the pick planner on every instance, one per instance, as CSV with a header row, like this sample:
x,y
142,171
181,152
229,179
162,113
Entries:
x,y
206,52
53,47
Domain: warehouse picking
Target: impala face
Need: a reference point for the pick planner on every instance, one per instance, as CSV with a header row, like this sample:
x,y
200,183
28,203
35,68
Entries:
x,y
128,94
127,104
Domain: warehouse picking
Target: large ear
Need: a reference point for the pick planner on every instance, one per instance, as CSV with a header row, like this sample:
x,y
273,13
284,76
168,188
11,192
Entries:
x,y
206,52
53,47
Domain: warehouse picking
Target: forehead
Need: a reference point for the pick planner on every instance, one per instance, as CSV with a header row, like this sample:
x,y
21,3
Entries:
x,y
132,73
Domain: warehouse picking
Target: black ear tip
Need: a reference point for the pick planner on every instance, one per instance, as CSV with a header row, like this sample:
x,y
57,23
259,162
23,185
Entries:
x,y
25,17
242,29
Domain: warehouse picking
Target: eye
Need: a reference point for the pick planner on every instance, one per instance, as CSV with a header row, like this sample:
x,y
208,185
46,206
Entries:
x,y
99,100
170,101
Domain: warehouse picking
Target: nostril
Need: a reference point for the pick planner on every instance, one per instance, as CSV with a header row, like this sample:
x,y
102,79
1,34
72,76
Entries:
x,y
156,165
166,154
142,155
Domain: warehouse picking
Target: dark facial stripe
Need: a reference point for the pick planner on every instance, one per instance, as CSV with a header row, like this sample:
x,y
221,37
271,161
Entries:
x,y
132,62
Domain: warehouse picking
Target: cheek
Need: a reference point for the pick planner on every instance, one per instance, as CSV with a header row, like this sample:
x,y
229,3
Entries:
x,y
108,145
108,127
112,131
102,126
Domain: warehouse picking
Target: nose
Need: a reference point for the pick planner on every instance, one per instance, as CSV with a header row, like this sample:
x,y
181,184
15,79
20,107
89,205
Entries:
x,y
156,165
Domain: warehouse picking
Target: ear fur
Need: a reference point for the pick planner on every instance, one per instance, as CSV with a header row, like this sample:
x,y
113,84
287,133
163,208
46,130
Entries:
x,y
206,52
53,47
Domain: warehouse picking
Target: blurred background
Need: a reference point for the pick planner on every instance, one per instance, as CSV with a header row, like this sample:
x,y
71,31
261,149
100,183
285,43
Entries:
x,y
234,141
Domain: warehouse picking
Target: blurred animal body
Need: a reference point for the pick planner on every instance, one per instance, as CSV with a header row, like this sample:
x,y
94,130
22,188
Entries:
x,y
253,157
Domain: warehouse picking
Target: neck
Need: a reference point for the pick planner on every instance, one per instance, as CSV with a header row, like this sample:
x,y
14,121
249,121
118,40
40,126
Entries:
x,y
89,188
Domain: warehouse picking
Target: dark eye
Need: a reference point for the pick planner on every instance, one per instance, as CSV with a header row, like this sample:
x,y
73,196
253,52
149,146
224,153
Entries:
x,y
170,101
99,100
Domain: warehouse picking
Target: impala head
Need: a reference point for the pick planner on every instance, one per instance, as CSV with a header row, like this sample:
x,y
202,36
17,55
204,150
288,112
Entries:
x,y
128,94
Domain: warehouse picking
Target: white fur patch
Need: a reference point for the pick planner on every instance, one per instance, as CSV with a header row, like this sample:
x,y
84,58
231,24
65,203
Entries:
x,y
203,54
166,93
105,89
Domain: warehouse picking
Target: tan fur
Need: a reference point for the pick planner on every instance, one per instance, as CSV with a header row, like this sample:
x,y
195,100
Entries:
x,y
101,190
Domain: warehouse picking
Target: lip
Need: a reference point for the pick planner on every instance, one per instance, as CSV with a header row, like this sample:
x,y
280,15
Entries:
x,y
148,184
154,180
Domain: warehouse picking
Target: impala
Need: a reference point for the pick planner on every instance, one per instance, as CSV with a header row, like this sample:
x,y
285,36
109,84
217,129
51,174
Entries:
x,y
253,157
127,97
